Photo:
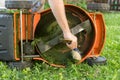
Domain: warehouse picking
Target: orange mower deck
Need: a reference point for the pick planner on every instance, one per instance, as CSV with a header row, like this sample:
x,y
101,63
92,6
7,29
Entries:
x,y
96,20
38,36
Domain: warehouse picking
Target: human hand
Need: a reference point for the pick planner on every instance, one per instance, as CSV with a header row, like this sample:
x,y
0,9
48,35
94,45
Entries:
x,y
72,38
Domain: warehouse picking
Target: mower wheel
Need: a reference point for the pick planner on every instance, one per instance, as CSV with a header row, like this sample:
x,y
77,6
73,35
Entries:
x,y
96,61
18,4
98,6
20,65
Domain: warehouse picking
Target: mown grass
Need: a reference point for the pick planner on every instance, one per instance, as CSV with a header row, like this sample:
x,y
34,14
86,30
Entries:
x,y
111,71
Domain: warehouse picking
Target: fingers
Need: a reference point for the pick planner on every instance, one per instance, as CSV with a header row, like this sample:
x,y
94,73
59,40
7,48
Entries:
x,y
72,38
72,45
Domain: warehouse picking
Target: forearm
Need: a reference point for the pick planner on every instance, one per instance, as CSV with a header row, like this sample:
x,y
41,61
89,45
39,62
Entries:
x,y
58,10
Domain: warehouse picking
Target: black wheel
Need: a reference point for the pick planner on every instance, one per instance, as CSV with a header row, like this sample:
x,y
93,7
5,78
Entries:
x,y
18,4
98,6
101,1
20,65
96,61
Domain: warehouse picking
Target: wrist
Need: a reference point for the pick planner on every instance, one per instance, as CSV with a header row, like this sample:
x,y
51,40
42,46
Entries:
x,y
67,33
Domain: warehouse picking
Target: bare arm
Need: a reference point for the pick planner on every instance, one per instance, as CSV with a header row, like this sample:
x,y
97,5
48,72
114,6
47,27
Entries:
x,y
58,10
57,7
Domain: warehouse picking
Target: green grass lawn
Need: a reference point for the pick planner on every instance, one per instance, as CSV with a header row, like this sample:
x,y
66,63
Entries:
x,y
111,71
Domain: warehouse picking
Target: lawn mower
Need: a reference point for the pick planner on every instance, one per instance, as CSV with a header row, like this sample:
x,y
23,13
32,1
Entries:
x,y
26,37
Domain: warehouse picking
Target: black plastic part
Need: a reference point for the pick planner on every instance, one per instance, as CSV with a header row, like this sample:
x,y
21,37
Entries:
x,y
20,65
28,49
96,61
6,37
18,4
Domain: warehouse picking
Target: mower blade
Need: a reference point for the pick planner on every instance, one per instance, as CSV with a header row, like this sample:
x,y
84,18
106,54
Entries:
x,y
43,47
